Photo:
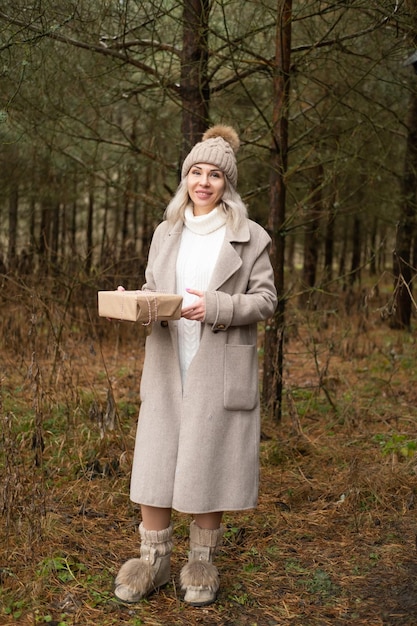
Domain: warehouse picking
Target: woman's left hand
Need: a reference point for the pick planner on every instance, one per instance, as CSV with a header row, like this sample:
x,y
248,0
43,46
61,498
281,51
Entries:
x,y
197,310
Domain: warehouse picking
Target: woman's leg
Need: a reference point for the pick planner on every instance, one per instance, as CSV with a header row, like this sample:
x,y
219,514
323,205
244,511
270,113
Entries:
x,y
155,518
210,521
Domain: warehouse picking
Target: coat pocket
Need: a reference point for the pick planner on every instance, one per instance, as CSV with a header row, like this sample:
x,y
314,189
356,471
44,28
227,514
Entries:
x,y
240,377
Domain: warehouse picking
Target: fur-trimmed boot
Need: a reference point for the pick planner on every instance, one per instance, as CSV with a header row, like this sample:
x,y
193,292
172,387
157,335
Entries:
x,y
137,578
200,578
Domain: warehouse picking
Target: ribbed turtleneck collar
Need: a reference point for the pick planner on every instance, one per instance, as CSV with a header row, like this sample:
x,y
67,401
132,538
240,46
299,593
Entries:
x,y
204,224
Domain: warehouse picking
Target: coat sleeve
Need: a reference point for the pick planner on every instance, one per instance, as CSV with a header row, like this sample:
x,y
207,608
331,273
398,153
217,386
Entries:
x,y
254,302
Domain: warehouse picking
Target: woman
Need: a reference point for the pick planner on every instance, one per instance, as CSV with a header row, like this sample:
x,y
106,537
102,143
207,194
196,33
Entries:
x,y
197,442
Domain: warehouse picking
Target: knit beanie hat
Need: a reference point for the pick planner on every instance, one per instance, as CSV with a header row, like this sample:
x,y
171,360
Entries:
x,y
218,147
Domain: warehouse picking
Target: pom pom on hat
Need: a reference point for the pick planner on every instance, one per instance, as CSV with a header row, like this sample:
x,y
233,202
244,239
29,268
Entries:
x,y
226,132
218,147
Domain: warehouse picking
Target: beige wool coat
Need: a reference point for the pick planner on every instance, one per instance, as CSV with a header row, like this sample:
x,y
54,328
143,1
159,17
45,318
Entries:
x,y
197,448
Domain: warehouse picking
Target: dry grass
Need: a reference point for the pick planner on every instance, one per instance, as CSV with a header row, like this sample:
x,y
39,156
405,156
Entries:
x,y
333,538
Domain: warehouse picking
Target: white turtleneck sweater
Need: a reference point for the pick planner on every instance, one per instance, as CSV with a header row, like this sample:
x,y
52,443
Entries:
x,y
201,240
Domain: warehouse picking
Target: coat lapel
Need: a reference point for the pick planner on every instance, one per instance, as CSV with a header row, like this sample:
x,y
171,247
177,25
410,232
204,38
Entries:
x,y
229,260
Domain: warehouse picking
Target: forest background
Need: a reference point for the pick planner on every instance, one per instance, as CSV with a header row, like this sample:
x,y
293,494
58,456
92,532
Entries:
x,y
99,101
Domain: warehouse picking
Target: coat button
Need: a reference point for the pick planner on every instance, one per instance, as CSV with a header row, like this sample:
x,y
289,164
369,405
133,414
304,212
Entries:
x,y
164,324
220,327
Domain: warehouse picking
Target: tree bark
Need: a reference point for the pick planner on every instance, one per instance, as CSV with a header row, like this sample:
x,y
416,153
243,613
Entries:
x,y
46,229
274,333
13,220
195,92
329,243
373,245
311,238
403,272
355,267
90,227
55,229
104,237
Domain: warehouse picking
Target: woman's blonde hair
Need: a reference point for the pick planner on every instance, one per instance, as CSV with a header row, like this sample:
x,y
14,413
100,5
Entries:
x,y
231,203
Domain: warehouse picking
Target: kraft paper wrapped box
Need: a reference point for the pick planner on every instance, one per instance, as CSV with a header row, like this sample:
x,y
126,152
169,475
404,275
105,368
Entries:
x,y
139,306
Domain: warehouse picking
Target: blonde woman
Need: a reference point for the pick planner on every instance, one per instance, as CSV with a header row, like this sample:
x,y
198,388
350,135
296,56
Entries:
x,y
197,442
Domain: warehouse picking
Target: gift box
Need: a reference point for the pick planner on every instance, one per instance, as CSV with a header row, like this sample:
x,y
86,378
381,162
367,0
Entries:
x,y
139,306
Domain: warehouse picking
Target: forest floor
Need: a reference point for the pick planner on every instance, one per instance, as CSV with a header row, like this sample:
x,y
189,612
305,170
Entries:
x,y
333,540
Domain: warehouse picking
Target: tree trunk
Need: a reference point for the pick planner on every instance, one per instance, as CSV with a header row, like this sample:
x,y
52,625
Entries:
x,y
195,92
73,224
13,210
90,222
329,243
45,236
343,253
373,251
32,236
311,239
290,253
55,229
403,274
274,333
127,183
104,261
355,268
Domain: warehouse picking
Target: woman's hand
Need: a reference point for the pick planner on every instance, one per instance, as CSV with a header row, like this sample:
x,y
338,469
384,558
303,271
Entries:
x,y
197,310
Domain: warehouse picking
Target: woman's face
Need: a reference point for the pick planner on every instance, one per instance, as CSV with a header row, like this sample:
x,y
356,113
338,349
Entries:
x,y
205,184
